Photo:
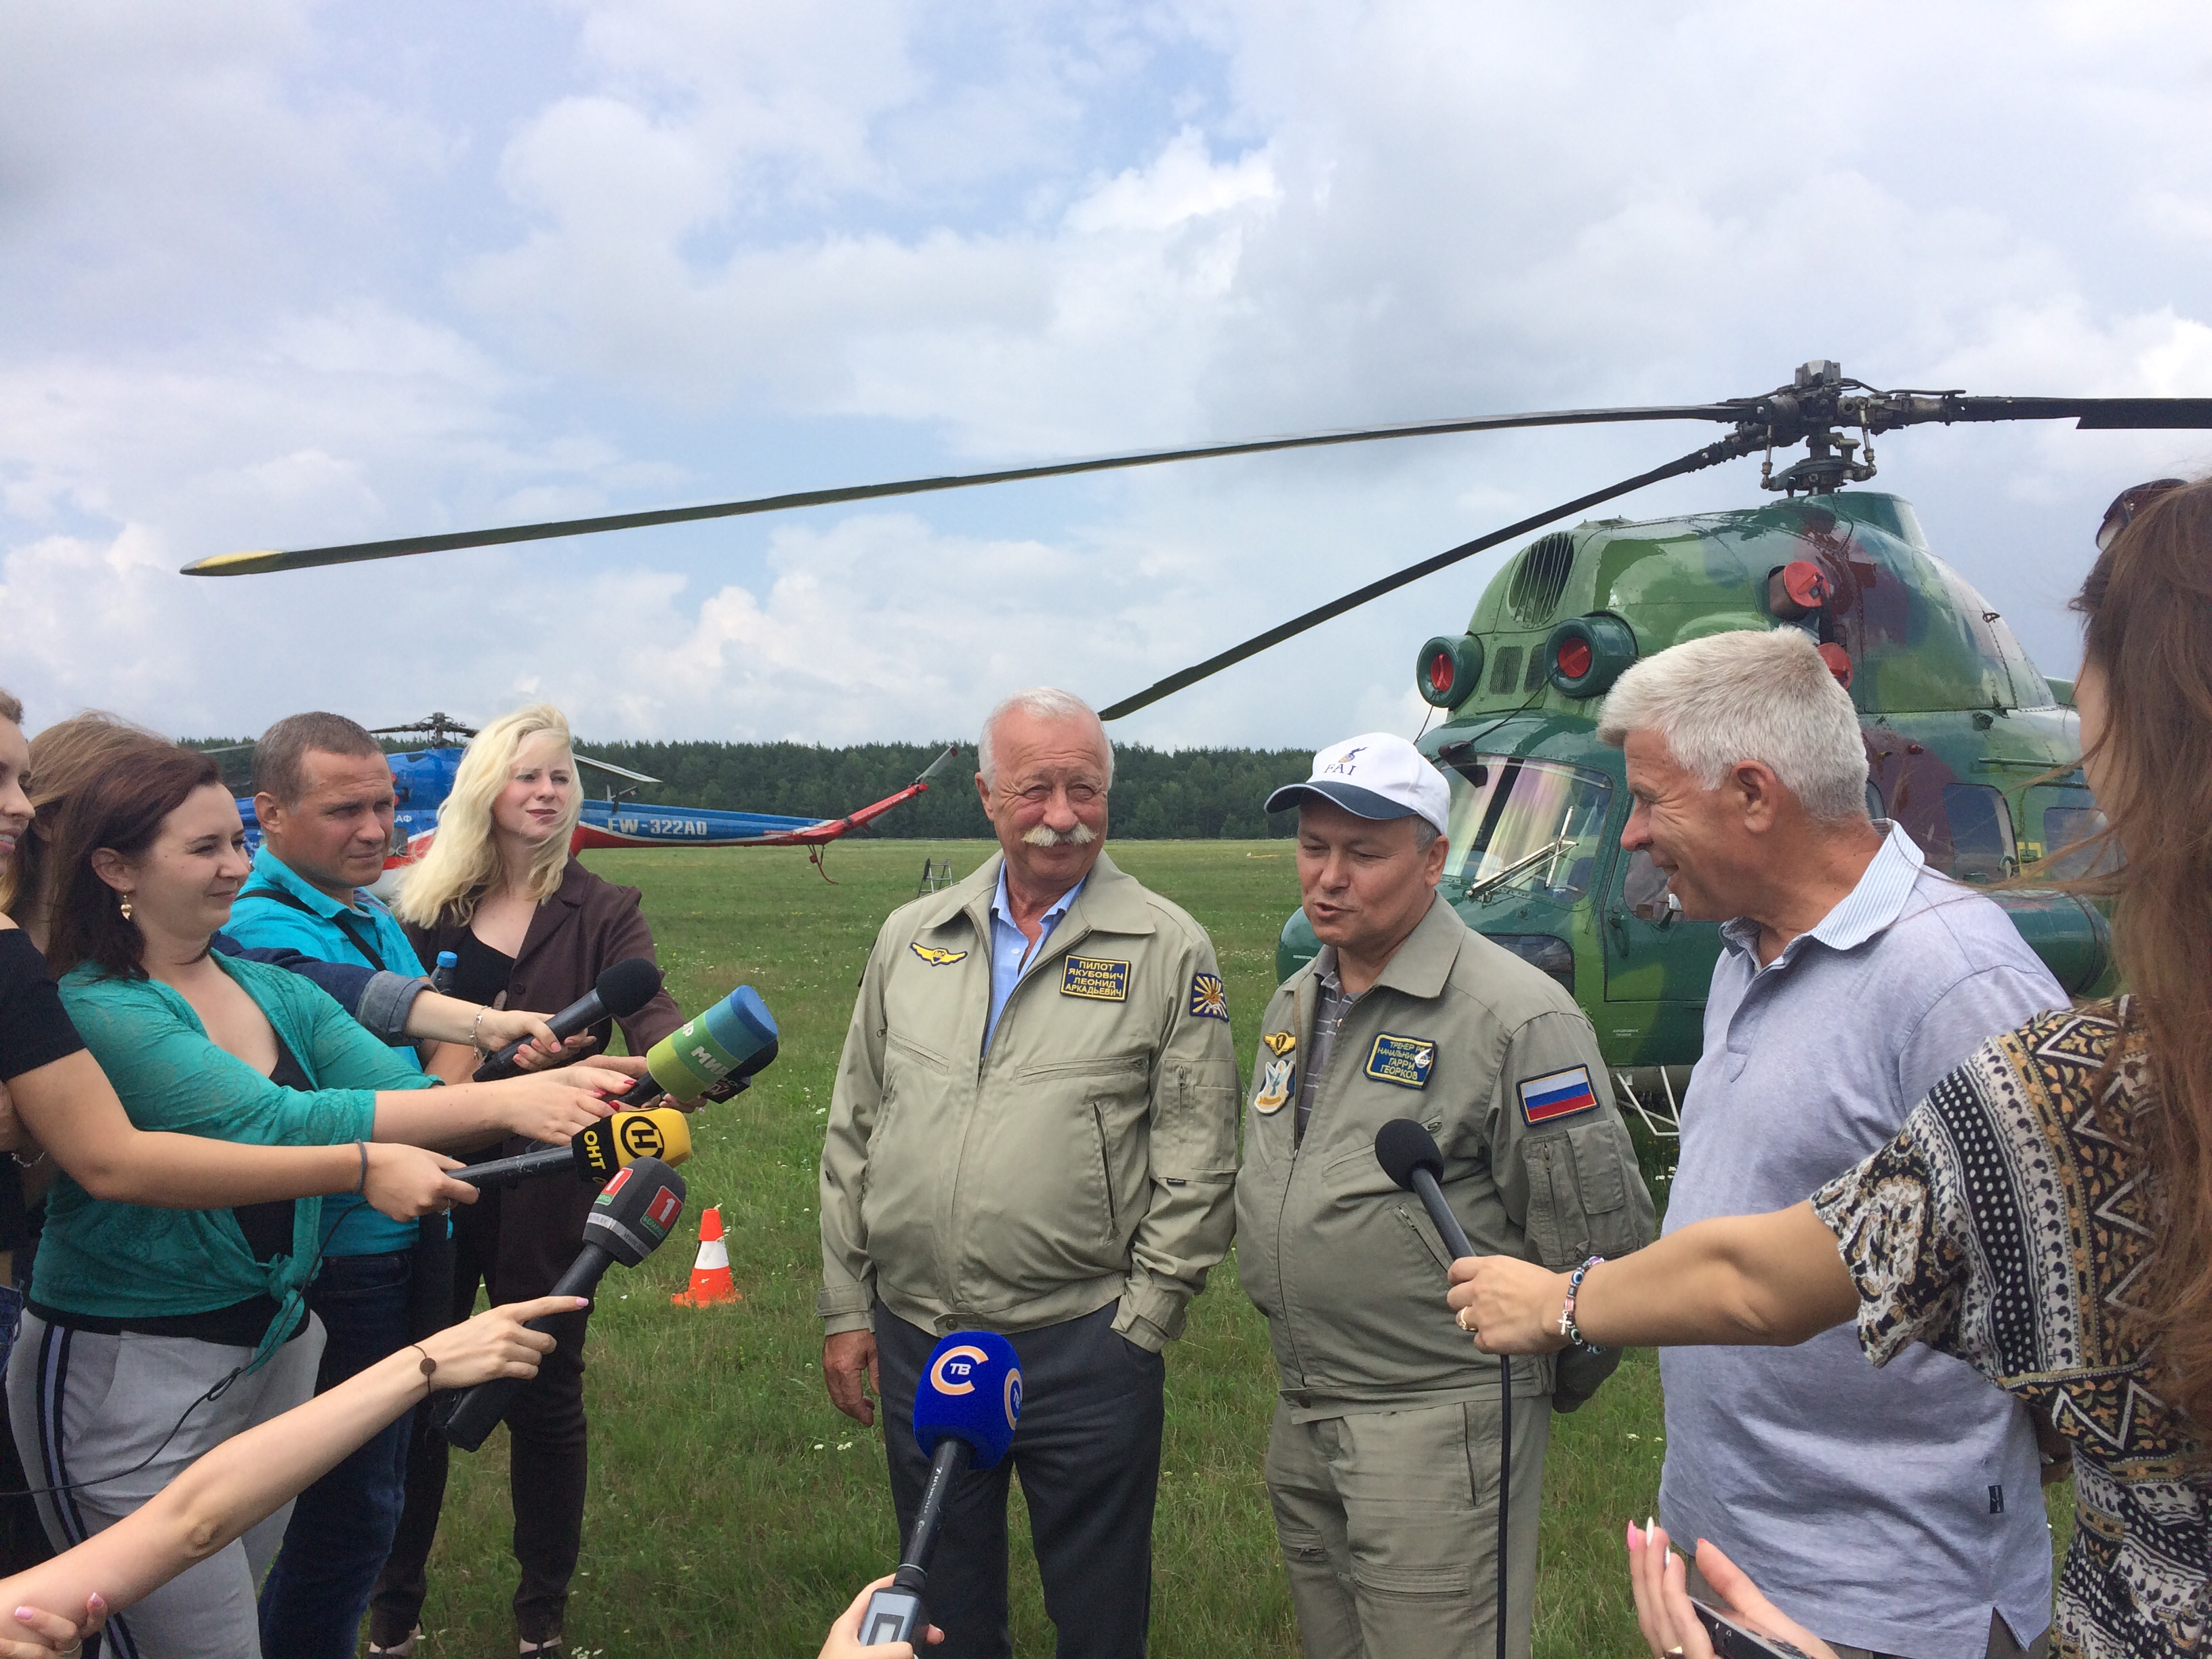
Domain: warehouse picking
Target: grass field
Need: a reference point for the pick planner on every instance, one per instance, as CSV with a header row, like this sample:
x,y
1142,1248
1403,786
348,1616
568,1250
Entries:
x,y
734,1512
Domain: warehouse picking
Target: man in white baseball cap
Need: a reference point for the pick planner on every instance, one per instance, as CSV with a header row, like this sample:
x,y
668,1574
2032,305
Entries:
x,y
1383,1460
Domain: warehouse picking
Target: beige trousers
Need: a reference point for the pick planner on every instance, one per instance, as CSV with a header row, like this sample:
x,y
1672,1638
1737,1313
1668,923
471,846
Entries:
x,y
1389,1524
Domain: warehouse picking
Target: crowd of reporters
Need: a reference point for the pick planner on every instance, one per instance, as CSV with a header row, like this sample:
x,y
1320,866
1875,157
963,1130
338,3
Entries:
x,y
239,1107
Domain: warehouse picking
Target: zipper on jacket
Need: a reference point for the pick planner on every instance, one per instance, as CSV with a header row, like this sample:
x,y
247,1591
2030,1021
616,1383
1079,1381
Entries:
x,y
1106,1170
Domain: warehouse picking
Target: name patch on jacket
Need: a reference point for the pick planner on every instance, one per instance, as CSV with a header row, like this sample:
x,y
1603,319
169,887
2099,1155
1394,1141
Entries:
x,y
1278,1078
1403,1061
937,958
1095,977
1556,1094
1207,999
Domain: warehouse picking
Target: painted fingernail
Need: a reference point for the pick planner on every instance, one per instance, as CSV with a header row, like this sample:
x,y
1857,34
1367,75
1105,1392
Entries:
x,y
23,1615
97,1601
1634,1542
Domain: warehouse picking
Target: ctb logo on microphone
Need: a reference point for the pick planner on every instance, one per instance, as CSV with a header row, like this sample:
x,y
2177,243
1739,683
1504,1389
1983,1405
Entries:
x,y
955,1369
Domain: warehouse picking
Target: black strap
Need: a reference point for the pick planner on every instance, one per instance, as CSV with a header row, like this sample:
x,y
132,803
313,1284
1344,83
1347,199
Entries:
x,y
348,923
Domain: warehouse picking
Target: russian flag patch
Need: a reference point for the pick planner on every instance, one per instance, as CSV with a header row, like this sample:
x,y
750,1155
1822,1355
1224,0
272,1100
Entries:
x,y
1556,1095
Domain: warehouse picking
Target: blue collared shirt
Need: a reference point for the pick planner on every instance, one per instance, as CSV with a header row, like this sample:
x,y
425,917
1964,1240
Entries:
x,y
266,923
1011,950
1810,1063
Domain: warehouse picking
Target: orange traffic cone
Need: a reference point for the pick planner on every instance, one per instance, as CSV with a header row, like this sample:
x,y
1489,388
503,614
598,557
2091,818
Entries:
x,y
710,1274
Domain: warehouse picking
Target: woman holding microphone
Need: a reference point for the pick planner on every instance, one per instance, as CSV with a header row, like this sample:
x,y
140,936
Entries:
x,y
2045,1214
531,926
153,1333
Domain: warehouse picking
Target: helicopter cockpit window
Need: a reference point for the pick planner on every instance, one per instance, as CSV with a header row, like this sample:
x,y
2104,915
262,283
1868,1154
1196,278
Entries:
x,y
2069,816
1528,825
1981,832
1643,889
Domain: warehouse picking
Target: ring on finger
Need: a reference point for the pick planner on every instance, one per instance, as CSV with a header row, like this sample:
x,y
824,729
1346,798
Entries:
x,y
1460,1319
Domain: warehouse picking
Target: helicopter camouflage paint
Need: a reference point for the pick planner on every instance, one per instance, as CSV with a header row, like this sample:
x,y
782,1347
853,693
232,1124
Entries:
x,y
1969,747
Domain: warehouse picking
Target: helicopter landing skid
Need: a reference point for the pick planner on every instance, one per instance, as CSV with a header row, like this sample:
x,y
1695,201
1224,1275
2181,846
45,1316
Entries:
x,y
1663,1120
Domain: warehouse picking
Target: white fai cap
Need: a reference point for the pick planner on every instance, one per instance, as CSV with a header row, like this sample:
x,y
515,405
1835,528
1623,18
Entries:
x,y
1379,775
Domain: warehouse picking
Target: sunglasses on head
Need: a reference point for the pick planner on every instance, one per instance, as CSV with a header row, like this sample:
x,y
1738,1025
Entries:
x,y
2128,502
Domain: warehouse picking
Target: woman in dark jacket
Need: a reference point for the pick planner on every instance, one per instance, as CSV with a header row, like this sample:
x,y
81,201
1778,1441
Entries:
x,y
528,923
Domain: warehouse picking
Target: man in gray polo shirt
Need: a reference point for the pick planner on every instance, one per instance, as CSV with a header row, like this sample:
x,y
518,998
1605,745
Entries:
x,y
1895,1511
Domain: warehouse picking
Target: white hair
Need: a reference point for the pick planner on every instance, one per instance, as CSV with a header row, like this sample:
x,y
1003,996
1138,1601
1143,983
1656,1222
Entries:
x,y
1041,702
1754,695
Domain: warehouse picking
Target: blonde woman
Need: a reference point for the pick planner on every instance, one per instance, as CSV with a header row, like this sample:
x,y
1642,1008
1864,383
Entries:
x,y
499,888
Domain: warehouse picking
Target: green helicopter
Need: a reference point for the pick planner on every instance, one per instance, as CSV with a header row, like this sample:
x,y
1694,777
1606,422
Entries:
x,y
1971,748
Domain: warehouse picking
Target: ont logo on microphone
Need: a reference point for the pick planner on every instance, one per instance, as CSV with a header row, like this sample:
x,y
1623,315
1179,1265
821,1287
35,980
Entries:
x,y
641,1136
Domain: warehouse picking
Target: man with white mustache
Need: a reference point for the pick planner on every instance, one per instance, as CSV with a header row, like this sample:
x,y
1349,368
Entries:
x,y
1034,1132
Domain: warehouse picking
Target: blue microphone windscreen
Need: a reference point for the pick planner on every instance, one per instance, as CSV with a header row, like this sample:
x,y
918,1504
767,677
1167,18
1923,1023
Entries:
x,y
971,1391
741,1022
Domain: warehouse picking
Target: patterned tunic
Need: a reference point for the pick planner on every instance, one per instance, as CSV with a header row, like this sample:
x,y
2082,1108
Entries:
x,y
2005,1225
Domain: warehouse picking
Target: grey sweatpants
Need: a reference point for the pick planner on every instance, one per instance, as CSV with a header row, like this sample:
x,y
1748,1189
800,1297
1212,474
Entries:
x,y
86,1407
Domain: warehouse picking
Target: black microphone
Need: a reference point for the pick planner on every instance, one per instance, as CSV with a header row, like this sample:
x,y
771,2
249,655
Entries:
x,y
597,1151
627,1222
619,991
1409,1156
964,1411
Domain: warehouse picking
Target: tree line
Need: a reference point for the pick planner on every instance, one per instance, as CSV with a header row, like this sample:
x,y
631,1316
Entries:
x,y
1183,794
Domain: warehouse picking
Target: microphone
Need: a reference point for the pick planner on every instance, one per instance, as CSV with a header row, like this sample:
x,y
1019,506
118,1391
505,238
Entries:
x,y
627,1222
964,1412
620,992
1408,1154
597,1151
736,1038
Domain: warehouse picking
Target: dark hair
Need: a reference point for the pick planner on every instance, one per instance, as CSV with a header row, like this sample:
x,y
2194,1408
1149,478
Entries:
x,y
120,808
279,758
2148,601
63,757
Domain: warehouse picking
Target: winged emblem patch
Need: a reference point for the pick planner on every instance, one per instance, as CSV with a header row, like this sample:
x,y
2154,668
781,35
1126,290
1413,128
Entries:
x,y
937,958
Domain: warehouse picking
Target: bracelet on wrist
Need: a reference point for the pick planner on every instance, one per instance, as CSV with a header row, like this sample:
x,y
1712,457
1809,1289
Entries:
x,y
476,1027
430,1367
361,1184
1568,1328
22,1163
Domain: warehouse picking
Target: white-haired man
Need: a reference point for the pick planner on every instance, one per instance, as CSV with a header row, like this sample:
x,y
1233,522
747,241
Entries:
x,y
1893,1512
1033,1132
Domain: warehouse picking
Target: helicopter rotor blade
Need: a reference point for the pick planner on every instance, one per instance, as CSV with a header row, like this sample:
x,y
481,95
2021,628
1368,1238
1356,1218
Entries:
x,y
2089,414
1726,449
258,563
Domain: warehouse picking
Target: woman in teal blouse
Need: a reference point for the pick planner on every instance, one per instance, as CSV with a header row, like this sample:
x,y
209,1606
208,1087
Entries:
x,y
154,1335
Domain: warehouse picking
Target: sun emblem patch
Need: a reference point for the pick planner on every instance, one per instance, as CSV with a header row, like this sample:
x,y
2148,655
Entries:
x,y
1403,1061
1278,1079
1207,1001
1280,1042
937,958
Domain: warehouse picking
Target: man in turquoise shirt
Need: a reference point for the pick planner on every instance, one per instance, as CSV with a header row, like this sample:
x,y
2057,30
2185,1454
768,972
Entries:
x,y
323,793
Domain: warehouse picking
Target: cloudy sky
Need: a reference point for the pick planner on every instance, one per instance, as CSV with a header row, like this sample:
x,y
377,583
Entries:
x,y
284,274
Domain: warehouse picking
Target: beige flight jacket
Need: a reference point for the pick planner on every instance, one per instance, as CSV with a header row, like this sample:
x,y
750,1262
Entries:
x,y
1089,1154
1495,1061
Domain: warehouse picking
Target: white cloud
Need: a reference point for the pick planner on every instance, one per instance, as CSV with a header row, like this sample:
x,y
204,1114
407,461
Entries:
x,y
282,283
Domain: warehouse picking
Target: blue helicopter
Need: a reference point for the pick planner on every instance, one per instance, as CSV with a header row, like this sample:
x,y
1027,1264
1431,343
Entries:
x,y
422,778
